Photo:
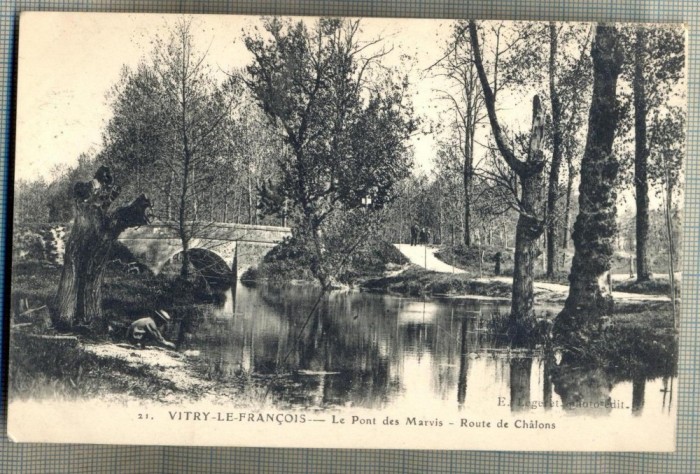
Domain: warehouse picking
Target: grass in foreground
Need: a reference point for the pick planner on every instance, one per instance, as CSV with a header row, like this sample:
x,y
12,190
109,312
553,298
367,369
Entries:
x,y
60,369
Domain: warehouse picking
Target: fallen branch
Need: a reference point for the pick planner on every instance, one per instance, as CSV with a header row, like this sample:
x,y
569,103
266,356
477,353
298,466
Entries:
x,y
23,313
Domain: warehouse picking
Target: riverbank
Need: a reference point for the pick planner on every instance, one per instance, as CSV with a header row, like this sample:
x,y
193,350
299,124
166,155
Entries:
x,y
431,275
418,282
70,367
47,364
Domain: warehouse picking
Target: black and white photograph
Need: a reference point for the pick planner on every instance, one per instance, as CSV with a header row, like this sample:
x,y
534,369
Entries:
x,y
347,232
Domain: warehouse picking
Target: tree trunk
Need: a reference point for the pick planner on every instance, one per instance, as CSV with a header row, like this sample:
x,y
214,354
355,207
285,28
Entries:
x,y
250,199
530,221
187,168
183,232
671,246
168,205
567,211
225,210
79,296
467,207
552,190
182,225
319,269
195,196
594,230
468,173
641,185
527,233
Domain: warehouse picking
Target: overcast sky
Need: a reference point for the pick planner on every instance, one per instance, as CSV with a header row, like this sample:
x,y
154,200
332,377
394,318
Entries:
x,y
68,62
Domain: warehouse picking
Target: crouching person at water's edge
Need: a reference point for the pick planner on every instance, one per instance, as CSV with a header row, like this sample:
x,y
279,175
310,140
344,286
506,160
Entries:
x,y
146,330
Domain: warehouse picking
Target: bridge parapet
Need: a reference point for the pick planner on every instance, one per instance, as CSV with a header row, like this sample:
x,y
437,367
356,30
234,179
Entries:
x,y
214,231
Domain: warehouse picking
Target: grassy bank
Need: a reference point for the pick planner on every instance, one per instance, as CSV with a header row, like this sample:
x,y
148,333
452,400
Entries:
x,y
654,286
45,364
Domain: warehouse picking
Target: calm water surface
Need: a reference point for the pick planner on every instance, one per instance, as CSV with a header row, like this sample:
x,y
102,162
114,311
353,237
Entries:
x,y
373,351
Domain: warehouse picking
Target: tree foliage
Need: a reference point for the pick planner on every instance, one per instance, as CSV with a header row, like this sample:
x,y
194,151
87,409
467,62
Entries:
x,y
344,120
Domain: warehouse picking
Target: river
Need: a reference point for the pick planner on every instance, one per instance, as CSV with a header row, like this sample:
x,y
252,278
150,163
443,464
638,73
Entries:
x,y
372,351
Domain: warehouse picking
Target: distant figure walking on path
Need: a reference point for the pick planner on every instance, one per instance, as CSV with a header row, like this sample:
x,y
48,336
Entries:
x,y
422,235
414,234
427,237
145,331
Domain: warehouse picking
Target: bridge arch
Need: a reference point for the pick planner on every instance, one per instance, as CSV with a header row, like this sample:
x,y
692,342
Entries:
x,y
208,263
203,259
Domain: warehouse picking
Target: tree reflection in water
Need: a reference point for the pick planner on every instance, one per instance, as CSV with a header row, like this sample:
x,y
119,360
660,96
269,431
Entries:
x,y
378,351
520,370
586,377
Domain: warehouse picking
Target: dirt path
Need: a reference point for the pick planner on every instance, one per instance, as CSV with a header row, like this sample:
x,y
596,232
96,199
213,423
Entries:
x,y
424,257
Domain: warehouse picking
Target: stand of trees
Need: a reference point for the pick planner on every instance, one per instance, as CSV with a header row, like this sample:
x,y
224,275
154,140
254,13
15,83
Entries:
x,y
315,133
655,67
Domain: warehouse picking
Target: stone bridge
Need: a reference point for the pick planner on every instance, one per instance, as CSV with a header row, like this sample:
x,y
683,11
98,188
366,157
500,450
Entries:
x,y
239,246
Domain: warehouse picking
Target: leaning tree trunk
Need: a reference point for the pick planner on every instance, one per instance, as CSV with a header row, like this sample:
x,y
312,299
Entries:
x,y
594,230
530,221
95,228
641,184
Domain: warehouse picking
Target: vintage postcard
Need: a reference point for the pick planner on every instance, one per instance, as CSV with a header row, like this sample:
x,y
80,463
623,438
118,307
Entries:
x,y
349,233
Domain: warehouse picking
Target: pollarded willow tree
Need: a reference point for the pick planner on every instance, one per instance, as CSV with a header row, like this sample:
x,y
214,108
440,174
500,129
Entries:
x,y
595,227
95,228
345,122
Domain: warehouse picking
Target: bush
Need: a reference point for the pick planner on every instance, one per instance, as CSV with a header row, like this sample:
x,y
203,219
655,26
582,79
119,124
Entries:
x,y
372,259
290,260
250,277
525,332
